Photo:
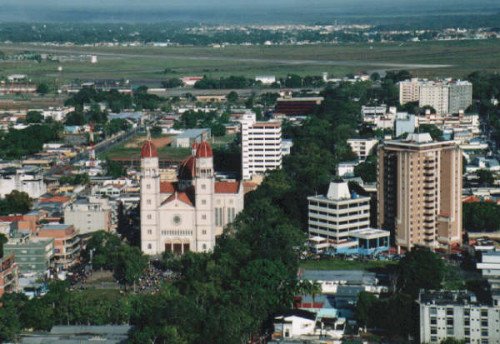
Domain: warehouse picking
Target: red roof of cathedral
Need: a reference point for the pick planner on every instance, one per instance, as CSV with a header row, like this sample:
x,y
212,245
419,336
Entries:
x,y
204,150
149,150
167,187
181,196
227,187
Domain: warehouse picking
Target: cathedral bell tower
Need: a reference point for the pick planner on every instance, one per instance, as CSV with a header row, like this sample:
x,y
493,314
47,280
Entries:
x,y
150,198
204,181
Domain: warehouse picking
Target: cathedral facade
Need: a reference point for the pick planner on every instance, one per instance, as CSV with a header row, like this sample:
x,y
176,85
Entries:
x,y
189,214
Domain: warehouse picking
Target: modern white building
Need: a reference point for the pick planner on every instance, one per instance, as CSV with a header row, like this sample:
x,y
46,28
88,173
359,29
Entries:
x,y
23,180
266,79
337,214
362,147
346,168
189,214
89,215
404,123
457,314
261,146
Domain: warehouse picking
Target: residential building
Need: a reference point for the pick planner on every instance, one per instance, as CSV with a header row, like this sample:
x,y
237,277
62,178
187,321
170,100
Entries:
x,y
419,190
32,254
445,96
189,214
29,180
409,91
89,215
335,215
8,275
66,243
490,269
458,315
261,146
362,147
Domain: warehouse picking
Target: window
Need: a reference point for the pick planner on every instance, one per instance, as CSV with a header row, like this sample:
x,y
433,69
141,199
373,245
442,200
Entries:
x,y
203,201
203,186
484,312
148,186
484,323
148,201
204,232
484,333
433,321
449,311
150,246
449,322
150,231
433,330
204,217
449,331
149,216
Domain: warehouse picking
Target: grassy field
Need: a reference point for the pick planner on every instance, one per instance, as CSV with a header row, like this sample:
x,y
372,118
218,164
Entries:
x,y
337,264
145,65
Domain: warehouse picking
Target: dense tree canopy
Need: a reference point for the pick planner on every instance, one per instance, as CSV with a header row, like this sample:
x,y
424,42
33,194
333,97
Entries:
x,y
17,202
481,217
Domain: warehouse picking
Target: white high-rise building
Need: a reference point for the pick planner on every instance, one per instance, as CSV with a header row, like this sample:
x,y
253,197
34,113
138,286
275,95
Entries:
x,y
261,146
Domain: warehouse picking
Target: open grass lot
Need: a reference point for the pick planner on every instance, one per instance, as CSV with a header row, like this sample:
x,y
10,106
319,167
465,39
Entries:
x,y
146,64
338,264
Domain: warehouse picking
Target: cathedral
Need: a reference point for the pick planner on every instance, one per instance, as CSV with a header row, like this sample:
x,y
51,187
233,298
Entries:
x,y
189,214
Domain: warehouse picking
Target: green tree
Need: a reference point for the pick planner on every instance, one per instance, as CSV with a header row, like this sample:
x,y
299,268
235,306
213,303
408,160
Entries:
x,y
34,117
102,246
367,170
172,83
363,307
129,265
156,131
420,269
10,324
293,81
115,169
232,97
481,217
3,241
435,132
17,202
42,88
218,129
486,178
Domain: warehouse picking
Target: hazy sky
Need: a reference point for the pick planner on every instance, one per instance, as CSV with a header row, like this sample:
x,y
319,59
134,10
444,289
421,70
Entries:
x,y
226,10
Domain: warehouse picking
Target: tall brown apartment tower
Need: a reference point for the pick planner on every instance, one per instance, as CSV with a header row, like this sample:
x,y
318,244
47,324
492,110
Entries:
x,y
419,191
